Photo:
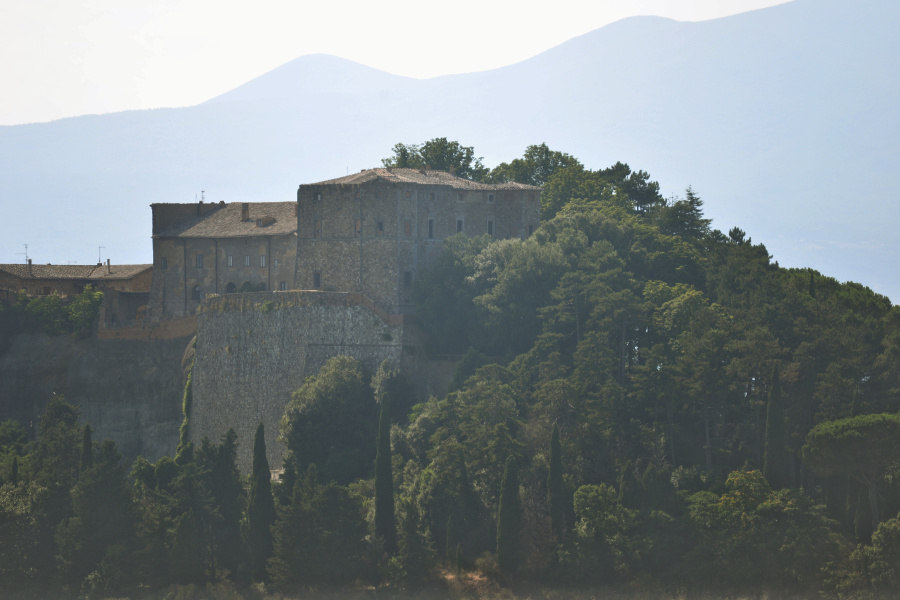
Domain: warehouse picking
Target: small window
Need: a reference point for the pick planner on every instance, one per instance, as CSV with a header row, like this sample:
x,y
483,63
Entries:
x,y
317,197
490,228
197,293
230,260
282,286
379,228
317,228
459,225
199,261
46,291
246,260
407,279
317,279
459,198
357,227
430,229
490,198
262,260
530,229
165,262
276,263
259,222
407,228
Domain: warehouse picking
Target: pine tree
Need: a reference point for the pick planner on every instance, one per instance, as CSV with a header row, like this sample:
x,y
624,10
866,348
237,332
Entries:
x,y
260,509
775,457
555,485
385,526
87,449
509,515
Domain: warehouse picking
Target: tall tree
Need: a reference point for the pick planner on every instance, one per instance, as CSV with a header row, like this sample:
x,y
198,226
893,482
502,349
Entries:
x,y
864,448
87,449
555,485
439,154
385,526
509,518
775,460
260,509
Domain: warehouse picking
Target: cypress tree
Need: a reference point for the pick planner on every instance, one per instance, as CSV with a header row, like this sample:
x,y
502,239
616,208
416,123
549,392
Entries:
x,y
385,526
14,475
555,485
260,508
509,515
87,449
775,457
448,547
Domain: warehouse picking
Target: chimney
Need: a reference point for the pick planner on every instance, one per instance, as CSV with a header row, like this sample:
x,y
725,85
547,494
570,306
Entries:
x,y
200,209
245,211
29,267
108,270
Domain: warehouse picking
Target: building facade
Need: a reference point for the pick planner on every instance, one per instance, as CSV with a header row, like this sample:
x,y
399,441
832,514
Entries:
x,y
373,232
202,249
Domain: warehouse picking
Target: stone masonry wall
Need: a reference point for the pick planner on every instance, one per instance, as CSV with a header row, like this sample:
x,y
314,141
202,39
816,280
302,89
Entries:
x,y
254,350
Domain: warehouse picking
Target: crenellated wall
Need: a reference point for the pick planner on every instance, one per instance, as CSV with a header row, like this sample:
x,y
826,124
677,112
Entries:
x,y
255,349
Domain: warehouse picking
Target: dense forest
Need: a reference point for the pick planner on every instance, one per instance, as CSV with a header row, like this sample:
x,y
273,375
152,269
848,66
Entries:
x,y
641,402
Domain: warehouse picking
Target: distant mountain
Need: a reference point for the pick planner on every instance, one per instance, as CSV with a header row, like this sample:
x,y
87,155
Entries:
x,y
784,120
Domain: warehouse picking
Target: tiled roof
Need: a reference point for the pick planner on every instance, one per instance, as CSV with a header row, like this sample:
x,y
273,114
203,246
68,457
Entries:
x,y
423,178
91,272
226,222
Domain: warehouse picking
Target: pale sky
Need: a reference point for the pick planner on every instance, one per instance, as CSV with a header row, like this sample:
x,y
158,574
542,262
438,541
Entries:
x,y
61,58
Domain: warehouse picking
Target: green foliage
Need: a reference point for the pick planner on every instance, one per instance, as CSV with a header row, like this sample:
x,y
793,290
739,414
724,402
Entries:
x,y
330,422
260,508
509,518
318,538
384,484
751,533
438,154
865,448
555,486
87,449
879,564
775,457
186,404
83,310
535,167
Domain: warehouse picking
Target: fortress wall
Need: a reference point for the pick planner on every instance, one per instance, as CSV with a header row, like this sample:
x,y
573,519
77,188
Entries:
x,y
254,350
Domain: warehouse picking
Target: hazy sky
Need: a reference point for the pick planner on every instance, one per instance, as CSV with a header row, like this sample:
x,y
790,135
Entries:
x,y
62,58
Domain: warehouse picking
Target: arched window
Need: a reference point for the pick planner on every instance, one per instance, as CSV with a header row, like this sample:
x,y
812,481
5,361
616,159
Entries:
x,y
197,293
230,288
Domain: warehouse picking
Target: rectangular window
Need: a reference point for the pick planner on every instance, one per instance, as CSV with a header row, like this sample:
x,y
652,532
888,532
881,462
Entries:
x,y
407,279
459,198
282,286
490,198
199,261
357,227
490,228
407,228
230,260
430,229
246,260
317,279
317,228
276,263
317,197
165,262
262,260
379,228
459,224
530,229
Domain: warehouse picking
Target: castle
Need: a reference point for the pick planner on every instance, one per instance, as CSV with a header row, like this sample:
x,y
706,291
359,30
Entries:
x,y
369,233
272,291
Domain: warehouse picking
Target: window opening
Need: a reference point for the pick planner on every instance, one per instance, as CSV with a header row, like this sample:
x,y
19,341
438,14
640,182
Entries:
x,y
199,261
262,260
246,260
459,225
317,279
490,227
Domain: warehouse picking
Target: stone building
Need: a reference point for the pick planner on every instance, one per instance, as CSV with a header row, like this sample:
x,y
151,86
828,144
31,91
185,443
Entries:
x,y
126,288
374,231
201,249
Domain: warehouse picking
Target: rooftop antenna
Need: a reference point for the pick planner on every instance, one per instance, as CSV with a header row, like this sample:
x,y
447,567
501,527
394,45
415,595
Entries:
x,y
99,248
25,253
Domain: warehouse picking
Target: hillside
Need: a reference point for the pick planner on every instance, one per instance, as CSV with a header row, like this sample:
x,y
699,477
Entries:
x,y
782,119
